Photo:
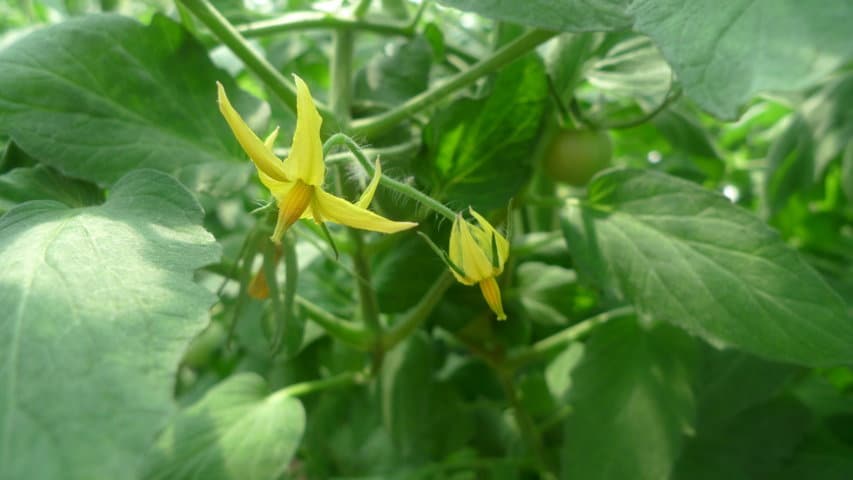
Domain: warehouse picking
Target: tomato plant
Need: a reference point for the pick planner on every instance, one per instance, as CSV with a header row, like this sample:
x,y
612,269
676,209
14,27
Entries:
x,y
414,239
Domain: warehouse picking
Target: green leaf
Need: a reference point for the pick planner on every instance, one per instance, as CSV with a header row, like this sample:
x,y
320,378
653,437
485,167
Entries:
x,y
425,418
725,53
847,173
238,430
730,382
479,151
397,73
545,292
44,183
819,133
563,15
403,273
686,255
98,96
99,305
752,445
632,402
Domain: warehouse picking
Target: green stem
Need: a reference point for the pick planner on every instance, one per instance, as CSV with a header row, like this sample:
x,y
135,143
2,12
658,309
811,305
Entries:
x,y
227,34
296,21
340,380
291,327
338,328
341,75
380,123
417,314
559,340
388,182
362,8
341,72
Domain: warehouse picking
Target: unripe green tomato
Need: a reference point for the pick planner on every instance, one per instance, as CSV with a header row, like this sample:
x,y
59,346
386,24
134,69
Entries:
x,y
574,156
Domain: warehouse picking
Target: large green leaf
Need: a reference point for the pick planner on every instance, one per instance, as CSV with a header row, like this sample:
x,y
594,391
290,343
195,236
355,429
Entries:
x,y
98,304
632,403
564,15
722,52
237,431
98,96
479,151
726,52
688,256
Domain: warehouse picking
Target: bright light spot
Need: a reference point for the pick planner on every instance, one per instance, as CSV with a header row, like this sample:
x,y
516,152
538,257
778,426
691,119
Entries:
x,y
390,49
468,20
654,157
731,192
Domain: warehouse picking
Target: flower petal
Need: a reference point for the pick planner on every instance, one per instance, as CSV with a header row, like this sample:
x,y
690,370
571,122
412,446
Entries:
x,y
261,155
329,207
270,140
486,239
467,253
492,294
305,161
367,195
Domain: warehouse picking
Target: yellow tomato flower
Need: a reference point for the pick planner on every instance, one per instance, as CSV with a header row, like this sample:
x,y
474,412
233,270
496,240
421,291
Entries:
x,y
478,254
297,183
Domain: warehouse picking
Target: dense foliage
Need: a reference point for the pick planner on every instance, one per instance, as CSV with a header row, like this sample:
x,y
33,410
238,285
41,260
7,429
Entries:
x,y
657,195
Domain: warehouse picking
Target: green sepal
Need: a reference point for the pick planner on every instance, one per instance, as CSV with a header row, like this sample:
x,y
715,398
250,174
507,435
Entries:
x,y
442,254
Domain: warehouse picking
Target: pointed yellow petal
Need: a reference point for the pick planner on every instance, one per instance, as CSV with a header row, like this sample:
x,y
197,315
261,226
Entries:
x,y
334,209
305,161
367,195
455,251
466,252
262,156
270,140
486,240
492,294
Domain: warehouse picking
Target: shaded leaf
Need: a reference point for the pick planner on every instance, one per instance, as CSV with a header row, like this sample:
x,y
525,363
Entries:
x,y
99,306
632,403
752,445
397,73
44,183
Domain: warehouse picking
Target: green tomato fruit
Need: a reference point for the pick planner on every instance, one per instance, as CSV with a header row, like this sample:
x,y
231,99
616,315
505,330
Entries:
x,y
574,156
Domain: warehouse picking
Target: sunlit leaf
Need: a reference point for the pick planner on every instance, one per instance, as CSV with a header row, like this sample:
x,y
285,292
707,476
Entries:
x,y
98,96
237,431
99,304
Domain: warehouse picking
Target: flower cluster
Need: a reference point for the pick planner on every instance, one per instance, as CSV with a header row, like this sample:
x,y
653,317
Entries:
x,y
477,252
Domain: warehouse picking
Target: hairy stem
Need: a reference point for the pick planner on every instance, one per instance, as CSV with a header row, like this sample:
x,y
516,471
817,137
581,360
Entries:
x,y
228,35
386,181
